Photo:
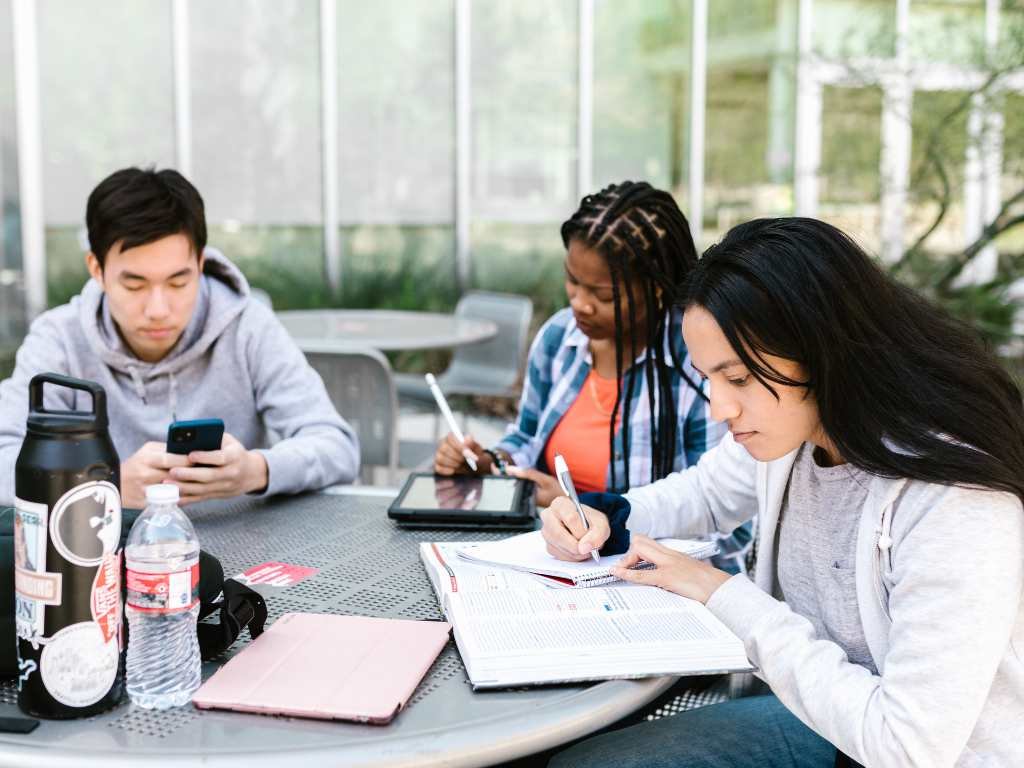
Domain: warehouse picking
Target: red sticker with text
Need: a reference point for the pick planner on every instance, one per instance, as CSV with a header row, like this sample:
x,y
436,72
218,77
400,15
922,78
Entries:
x,y
105,601
164,592
268,579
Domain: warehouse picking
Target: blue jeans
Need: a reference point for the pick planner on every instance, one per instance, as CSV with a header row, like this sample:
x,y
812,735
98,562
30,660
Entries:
x,y
752,732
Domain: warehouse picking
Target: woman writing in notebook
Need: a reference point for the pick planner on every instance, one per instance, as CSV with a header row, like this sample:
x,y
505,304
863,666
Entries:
x,y
609,383
882,448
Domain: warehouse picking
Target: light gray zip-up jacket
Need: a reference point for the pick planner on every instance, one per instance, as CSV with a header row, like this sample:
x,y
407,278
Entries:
x,y
234,361
940,590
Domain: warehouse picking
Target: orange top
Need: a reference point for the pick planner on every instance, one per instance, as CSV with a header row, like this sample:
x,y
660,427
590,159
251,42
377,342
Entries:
x,y
582,434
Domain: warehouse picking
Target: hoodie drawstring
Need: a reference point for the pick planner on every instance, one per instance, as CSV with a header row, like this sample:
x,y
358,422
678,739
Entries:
x,y
173,397
140,388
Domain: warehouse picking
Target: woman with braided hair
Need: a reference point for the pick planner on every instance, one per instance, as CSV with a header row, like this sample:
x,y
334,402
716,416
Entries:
x,y
609,383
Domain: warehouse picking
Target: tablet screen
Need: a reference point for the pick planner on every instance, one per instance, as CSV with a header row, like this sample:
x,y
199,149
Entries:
x,y
482,494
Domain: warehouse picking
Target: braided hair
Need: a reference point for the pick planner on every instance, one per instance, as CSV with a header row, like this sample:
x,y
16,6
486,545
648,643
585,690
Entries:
x,y
645,240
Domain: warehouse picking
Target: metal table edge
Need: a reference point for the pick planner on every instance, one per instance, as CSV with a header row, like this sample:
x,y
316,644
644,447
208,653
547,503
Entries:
x,y
577,717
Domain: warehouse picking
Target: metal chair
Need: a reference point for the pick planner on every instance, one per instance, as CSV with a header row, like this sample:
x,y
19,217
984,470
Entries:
x,y
262,297
490,368
361,387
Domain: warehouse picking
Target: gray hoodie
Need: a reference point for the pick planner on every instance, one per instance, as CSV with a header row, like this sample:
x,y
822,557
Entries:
x,y
940,592
234,361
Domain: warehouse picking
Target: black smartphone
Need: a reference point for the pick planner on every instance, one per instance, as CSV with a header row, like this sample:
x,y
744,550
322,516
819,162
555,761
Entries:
x,y
183,437
18,724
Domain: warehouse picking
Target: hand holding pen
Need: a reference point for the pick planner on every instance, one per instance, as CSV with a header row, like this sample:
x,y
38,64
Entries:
x,y
565,535
442,404
565,480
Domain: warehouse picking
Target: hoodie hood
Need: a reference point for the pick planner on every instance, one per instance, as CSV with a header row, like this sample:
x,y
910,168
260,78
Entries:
x,y
223,295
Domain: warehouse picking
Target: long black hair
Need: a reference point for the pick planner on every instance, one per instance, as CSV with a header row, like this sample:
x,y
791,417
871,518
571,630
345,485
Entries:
x,y
903,389
646,241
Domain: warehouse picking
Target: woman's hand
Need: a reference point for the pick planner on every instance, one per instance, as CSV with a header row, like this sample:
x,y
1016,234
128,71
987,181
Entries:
x,y
548,488
449,459
673,570
564,534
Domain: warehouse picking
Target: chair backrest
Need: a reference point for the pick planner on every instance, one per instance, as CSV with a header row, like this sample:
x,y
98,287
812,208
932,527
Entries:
x,y
261,296
361,387
497,363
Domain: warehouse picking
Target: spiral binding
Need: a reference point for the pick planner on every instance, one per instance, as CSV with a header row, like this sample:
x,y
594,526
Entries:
x,y
595,577
599,576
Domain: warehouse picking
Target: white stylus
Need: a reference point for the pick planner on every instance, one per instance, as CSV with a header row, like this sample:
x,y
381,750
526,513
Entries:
x,y
447,413
565,480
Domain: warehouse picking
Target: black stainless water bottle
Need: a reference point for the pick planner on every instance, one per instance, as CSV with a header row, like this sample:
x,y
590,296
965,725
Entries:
x,y
67,561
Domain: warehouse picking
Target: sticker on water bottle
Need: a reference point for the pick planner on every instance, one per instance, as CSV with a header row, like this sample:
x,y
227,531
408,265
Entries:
x,y
164,592
78,666
105,598
34,587
96,503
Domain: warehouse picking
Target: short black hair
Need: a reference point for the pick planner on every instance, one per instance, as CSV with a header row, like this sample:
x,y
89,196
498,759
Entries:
x,y
135,206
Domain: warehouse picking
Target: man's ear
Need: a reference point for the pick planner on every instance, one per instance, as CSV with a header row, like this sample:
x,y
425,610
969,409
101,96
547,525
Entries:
x,y
94,267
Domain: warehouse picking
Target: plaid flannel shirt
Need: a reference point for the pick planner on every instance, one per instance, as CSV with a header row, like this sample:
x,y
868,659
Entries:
x,y
558,365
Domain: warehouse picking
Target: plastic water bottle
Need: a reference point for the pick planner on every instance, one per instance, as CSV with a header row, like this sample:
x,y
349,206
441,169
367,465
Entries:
x,y
162,558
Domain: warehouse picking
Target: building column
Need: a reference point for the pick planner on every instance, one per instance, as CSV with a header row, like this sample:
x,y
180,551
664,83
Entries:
x,y
329,170
897,132
180,57
807,142
463,143
983,167
781,94
585,101
30,155
698,107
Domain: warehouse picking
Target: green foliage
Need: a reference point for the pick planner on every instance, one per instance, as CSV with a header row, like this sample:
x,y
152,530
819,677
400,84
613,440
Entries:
x,y
989,307
521,258
6,362
65,265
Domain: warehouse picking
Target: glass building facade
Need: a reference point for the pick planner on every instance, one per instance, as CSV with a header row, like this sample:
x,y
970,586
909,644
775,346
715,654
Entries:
x,y
398,152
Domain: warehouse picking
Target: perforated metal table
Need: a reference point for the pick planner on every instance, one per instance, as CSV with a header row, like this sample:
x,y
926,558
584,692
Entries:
x,y
367,567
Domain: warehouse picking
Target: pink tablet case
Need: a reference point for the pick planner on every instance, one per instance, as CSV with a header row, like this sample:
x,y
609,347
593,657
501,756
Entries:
x,y
329,667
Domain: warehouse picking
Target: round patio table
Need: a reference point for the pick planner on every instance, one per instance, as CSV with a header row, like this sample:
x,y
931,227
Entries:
x,y
368,567
325,331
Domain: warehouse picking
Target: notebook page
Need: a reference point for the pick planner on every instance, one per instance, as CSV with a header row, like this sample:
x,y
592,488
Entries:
x,y
528,552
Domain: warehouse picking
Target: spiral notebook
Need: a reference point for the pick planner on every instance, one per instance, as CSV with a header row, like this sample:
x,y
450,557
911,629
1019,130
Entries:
x,y
528,553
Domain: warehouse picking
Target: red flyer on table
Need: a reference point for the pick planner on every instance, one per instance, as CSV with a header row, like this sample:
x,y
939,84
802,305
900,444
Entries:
x,y
270,578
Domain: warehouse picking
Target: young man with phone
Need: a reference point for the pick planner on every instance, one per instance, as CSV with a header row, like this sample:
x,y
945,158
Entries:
x,y
169,329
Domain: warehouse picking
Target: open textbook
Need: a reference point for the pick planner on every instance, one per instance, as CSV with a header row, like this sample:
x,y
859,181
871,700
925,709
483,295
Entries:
x,y
512,630
528,553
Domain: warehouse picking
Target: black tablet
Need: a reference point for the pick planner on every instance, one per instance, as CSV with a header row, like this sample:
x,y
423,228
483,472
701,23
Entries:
x,y
435,501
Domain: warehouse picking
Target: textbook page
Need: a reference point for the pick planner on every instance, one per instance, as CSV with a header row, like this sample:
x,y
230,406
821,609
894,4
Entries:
x,y
448,573
511,637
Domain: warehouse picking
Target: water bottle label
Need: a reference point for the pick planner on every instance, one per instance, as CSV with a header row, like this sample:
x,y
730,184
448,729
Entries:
x,y
164,592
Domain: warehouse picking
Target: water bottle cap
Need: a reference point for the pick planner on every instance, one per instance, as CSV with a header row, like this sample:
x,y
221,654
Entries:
x,y
164,493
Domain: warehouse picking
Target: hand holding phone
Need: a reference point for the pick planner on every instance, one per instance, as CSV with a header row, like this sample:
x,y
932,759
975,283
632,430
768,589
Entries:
x,y
231,470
